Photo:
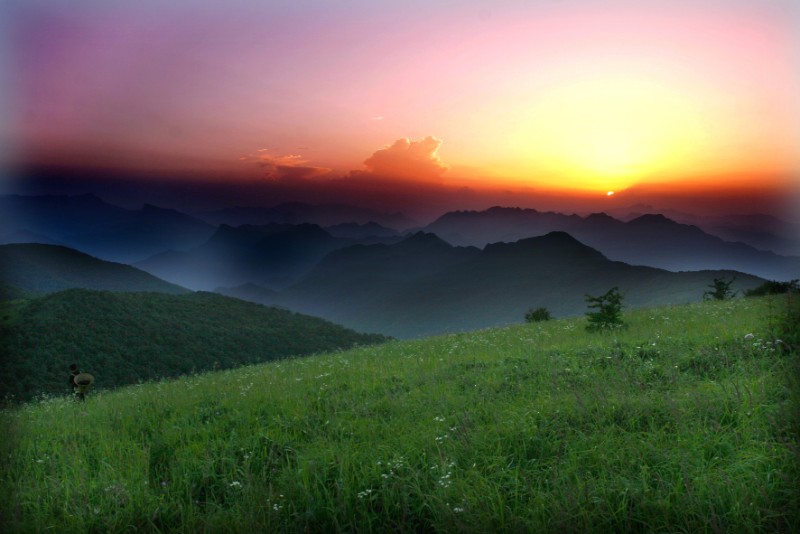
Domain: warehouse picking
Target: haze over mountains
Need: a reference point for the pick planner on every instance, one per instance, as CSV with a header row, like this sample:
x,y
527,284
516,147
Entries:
x,y
298,212
465,270
652,240
91,225
37,269
424,286
272,255
764,232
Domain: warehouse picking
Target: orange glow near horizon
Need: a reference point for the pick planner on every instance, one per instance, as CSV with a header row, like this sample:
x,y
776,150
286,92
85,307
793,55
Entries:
x,y
537,95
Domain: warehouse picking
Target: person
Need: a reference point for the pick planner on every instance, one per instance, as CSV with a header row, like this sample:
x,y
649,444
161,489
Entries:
x,y
80,382
73,372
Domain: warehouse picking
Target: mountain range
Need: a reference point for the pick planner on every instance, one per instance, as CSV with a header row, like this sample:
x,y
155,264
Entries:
x,y
418,286
467,269
298,213
651,240
272,255
89,224
762,231
109,232
423,285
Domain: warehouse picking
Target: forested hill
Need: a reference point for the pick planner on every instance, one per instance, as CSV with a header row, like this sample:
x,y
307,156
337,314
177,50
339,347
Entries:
x,y
123,338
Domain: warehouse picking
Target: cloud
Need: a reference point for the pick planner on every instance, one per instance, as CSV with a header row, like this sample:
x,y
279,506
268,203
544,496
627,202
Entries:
x,y
286,168
296,173
408,159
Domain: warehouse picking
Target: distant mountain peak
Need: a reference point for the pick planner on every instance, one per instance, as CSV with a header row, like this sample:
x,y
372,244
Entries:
x,y
557,241
664,223
558,236
600,216
424,238
652,218
506,209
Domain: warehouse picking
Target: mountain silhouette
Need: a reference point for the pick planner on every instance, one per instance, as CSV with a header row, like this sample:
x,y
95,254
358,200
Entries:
x,y
554,248
36,268
272,256
423,285
360,231
87,223
651,239
378,268
301,213
759,230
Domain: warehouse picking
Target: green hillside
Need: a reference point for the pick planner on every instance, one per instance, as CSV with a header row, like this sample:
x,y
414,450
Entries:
x,y
686,421
124,338
48,268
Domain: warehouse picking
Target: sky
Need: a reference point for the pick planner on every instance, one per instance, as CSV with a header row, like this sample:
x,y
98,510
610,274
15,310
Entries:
x,y
413,105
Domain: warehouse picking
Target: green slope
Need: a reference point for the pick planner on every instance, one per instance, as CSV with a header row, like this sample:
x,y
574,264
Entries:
x,y
48,268
686,421
123,338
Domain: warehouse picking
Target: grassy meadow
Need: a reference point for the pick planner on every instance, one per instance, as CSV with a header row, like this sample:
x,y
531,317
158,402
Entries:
x,y
685,421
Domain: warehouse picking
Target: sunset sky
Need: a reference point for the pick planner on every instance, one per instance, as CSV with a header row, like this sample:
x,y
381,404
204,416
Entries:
x,y
560,98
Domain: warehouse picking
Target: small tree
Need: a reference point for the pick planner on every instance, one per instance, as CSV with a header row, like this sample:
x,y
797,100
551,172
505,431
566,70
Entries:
x,y
608,311
539,314
720,289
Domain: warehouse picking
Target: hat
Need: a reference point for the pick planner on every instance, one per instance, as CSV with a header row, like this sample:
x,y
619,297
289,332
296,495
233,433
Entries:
x,y
83,379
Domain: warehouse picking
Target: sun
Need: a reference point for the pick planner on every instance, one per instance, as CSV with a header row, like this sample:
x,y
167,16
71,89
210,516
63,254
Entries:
x,y
607,133
608,153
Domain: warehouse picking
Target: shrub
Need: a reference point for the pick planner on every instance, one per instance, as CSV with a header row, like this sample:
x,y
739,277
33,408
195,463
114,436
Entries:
x,y
539,314
608,314
773,288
